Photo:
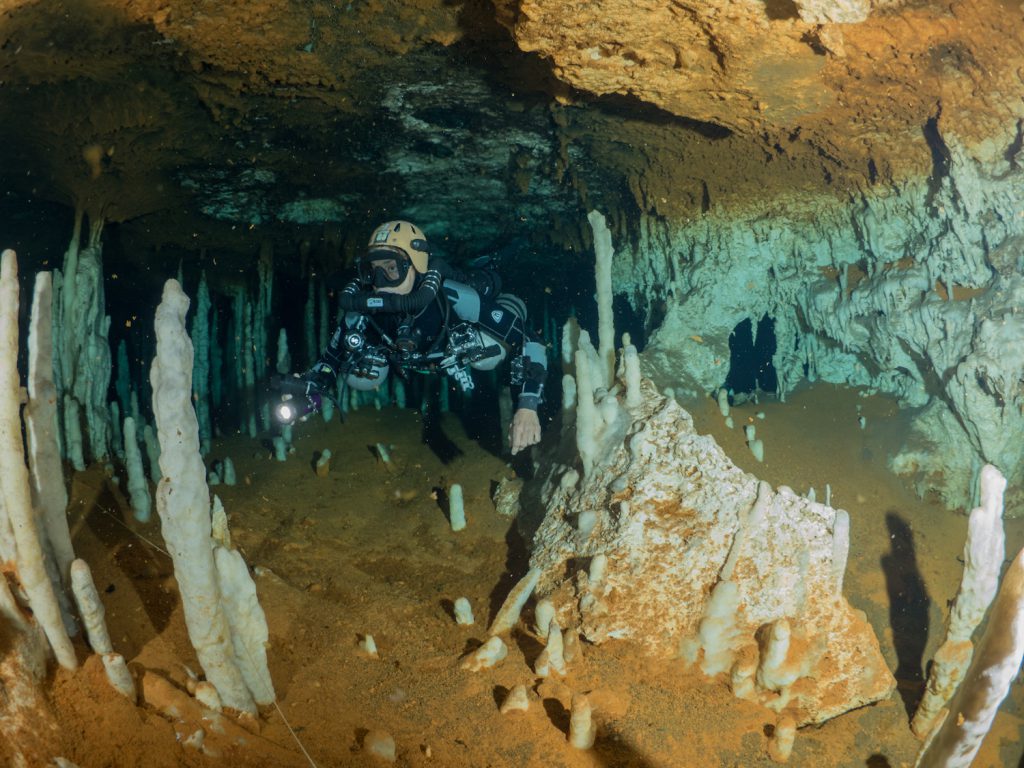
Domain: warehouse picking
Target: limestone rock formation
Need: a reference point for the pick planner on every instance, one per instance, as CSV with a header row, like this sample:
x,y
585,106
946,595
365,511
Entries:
x,y
689,557
913,292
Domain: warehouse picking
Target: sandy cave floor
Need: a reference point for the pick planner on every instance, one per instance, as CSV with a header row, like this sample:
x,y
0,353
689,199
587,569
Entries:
x,y
366,550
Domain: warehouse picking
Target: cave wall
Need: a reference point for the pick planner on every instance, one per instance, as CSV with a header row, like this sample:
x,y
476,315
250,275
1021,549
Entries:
x,y
911,289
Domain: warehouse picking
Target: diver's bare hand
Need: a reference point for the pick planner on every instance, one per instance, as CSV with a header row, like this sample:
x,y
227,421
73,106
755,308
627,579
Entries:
x,y
525,430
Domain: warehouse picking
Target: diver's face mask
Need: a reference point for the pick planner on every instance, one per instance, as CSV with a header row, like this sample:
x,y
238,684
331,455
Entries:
x,y
383,269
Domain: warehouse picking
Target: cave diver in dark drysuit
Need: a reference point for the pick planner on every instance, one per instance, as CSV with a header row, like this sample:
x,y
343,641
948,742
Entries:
x,y
407,312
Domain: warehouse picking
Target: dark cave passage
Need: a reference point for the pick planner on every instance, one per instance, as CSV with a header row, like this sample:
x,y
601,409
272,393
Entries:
x,y
750,357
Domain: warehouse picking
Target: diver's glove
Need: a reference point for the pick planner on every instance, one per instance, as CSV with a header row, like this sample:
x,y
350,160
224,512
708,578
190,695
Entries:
x,y
320,379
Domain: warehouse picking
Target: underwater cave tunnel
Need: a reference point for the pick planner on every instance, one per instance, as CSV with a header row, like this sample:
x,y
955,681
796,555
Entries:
x,y
203,136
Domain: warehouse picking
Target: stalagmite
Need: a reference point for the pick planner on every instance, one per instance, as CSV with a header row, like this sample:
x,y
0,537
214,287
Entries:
x,y
486,656
463,612
603,254
840,545
138,487
780,747
757,448
723,401
323,463
992,671
280,448
369,646
82,328
582,731
118,675
742,677
571,647
983,557
631,363
219,524
229,472
14,478
552,658
245,616
262,310
774,674
183,502
517,700
586,411
568,392
509,612
456,509
284,357
90,608
41,429
717,634
73,433
248,372
381,745
115,425
544,614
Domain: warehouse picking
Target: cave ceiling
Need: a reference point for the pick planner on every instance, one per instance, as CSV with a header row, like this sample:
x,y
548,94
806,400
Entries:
x,y
210,124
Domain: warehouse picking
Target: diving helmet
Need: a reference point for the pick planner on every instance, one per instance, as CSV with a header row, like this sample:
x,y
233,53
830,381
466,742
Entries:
x,y
394,246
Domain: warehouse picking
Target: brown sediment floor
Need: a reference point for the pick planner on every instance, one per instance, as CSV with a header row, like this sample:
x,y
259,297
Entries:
x,y
368,549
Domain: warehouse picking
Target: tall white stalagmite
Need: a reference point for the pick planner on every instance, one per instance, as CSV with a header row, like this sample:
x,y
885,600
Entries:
x,y
988,680
47,473
183,502
603,253
983,557
92,612
249,632
14,479
90,607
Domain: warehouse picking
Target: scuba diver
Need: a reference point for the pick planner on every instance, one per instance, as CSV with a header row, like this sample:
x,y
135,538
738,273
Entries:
x,y
407,311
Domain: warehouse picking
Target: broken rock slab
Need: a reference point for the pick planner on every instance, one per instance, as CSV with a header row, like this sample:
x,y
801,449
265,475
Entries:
x,y
686,555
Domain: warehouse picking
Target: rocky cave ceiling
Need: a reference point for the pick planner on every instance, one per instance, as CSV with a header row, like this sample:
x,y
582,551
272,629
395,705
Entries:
x,y
208,124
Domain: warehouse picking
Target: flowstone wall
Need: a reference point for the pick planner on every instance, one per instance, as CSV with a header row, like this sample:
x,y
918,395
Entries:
x,y
913,291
